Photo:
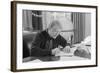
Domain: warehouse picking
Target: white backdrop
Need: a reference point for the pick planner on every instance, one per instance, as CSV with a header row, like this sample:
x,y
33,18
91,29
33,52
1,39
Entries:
x,y
5,37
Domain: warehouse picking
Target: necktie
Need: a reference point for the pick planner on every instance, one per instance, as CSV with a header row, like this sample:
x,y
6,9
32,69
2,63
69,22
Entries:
x,y
51,44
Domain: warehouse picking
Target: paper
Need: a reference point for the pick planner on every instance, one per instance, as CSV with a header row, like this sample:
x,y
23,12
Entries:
x,y
64,54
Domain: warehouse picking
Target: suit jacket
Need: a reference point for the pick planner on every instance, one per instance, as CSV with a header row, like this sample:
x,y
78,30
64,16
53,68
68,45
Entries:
x,y
40,46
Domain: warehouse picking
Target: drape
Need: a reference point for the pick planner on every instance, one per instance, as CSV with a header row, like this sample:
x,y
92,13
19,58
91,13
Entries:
x,y
78,20
27,20
37,21
31,22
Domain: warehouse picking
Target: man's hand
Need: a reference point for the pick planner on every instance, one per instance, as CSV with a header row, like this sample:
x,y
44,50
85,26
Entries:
x,y
55,51
67,49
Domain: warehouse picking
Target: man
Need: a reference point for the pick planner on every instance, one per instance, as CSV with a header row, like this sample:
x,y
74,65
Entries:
x,y
49,42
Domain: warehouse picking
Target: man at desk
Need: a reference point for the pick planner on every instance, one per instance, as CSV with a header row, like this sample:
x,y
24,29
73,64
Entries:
x,y
49,42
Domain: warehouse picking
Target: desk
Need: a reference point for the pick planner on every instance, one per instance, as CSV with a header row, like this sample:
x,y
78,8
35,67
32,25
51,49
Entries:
x,y
52,58
60,57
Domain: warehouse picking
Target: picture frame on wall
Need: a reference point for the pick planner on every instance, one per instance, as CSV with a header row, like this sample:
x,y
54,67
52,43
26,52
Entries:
x,y
46,36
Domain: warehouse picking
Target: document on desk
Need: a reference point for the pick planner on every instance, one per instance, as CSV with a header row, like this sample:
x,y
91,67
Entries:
x,y
68,56
64,54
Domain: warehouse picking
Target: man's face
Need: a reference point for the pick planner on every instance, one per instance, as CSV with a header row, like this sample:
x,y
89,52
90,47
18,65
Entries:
x,y
55,31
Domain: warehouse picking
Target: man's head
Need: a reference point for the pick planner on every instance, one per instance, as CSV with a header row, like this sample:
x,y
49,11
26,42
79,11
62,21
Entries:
x,y
54,28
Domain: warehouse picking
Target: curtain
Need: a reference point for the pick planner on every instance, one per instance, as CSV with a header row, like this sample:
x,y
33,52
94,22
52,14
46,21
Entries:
x,y
78,20
36,20
27,20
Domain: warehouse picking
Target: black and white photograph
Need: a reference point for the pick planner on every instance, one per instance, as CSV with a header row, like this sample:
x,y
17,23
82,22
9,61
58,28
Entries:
x,y
54,36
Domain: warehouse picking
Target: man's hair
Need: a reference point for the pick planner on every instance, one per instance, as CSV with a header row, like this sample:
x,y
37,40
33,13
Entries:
x,y
54,23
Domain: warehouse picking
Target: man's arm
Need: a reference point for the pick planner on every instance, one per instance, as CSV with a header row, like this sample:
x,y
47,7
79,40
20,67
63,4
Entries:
x,y
62,41
36,50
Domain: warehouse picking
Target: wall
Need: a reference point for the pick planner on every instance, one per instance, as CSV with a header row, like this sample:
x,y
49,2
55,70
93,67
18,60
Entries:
x,y
5,37
88,25
63,17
